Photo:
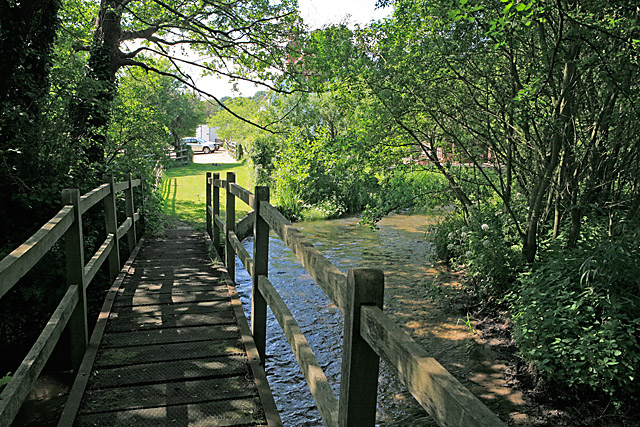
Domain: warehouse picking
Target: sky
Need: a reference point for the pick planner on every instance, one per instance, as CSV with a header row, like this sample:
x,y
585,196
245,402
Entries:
x,y
316,14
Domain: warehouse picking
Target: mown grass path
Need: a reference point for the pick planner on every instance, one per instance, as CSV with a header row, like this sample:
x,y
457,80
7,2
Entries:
x,y
183,190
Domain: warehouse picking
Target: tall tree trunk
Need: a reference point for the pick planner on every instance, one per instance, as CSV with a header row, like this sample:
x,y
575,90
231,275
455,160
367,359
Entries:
x,y
91,114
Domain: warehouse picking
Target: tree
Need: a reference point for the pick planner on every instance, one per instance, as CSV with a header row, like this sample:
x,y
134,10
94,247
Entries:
x,y
27,33
243,38
549,87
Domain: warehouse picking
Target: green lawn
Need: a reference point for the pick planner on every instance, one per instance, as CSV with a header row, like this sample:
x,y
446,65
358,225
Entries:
x,y
184,188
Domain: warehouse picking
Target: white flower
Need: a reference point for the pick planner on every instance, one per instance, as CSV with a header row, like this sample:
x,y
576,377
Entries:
x,y
450,246
463,229
486,243
463,235
468,254
451,236
485,227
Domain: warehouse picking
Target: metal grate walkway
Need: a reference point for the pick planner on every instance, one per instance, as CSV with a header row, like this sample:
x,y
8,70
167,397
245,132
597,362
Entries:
x,y
176,348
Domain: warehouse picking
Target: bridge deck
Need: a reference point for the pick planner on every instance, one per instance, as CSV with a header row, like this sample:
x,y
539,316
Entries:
x,y
175,348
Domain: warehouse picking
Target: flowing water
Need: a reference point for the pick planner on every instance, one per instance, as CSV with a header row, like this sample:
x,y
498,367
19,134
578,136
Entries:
x,y
400,248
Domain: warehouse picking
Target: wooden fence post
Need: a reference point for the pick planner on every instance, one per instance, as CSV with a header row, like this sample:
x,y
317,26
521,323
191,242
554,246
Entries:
x,y
360,363
230,211
216,212
208,203
74,254
143,197
111,221
260,268
132,238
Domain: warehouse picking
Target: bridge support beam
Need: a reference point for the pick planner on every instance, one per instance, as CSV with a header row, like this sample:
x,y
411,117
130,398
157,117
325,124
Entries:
x,y
360,363
208,206
260,268
230,214
216,212
78,332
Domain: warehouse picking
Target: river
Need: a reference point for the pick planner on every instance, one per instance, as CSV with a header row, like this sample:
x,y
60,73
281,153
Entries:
x,y
399,247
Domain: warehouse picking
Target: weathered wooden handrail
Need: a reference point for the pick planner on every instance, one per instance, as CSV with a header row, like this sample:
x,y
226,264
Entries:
x,y
182,154
369,333
71,312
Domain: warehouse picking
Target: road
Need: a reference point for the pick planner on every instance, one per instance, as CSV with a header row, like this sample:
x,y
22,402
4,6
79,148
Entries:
x,y
219,156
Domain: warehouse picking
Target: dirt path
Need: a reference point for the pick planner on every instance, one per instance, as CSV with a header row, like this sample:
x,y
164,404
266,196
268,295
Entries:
x,y
456,341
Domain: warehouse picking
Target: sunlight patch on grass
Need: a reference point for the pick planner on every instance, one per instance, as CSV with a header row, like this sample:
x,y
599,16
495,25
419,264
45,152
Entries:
x,y
184,190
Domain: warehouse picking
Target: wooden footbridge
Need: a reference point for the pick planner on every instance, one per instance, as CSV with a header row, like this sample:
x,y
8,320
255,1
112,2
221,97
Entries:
x,y
172,345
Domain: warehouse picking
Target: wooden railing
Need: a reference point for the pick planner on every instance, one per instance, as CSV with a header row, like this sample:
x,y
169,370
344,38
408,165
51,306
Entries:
x,y
183,155
71,312
234,149
368,333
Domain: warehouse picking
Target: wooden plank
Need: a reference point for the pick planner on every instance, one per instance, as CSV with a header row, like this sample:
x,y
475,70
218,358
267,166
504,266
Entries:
x,y
74,259
83,375
220,223
18,263
230,225
242,253
132,237
313,373
171,335
448,401
111,225
257,368
97,260
260,268
136,216
88,200
242,193
136,182
229,413
329,278
215,214
120,186
187,390
27,373
208,206
360,363
244,227
112,357
122,230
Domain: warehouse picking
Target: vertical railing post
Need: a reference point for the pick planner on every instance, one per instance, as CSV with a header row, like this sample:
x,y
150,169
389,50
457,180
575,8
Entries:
x,y
74,254
111,222
143,196
230,210
260,268
216,212
360,363
132,238
208,203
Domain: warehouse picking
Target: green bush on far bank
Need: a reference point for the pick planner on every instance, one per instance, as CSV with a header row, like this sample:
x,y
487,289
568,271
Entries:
x,y
575,311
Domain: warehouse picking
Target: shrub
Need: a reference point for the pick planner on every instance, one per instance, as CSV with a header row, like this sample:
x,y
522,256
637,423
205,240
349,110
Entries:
x,y
576,317
485,244
406,190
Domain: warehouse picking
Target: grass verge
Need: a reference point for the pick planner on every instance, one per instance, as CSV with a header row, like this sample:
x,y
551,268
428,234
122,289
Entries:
x,y
184,191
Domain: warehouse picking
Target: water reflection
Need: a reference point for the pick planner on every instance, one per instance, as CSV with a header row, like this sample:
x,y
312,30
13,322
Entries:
x,y
400,248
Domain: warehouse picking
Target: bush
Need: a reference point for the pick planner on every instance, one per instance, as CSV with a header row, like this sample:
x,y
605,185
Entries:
x,y
576,317
485,244
406,190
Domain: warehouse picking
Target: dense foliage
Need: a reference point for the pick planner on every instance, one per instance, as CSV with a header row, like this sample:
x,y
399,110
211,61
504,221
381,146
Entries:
x,y
524,117
519,119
